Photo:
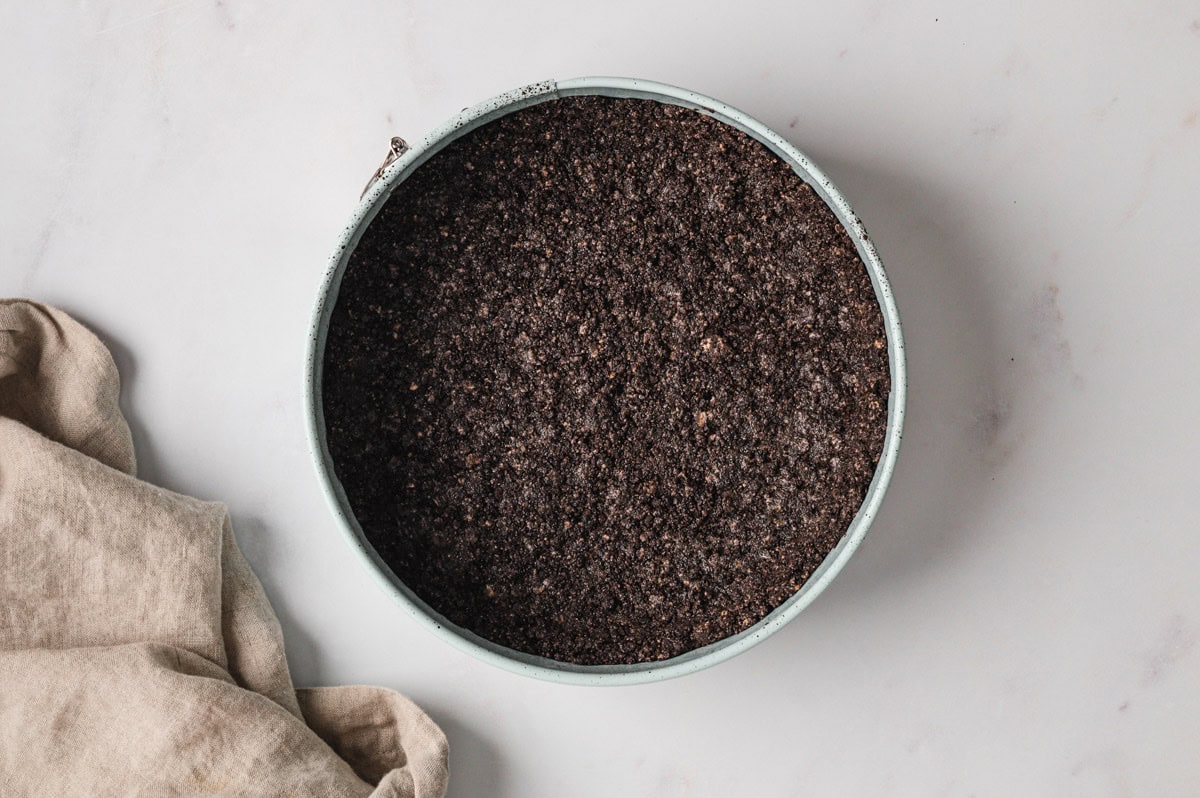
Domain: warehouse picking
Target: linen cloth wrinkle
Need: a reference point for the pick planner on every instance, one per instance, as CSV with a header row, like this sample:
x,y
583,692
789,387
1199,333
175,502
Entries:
x,y
139,655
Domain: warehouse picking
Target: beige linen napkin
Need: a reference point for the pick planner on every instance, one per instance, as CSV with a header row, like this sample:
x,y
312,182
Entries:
x,y
138,652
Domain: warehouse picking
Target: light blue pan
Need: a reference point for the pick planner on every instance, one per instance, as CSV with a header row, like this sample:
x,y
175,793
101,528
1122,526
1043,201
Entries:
x,y
401,163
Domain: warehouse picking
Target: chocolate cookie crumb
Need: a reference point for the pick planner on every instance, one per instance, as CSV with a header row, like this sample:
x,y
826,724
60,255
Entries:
x,y
605,381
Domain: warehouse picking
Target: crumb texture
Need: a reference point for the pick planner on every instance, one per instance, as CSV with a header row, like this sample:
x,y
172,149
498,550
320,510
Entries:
x,y
605,381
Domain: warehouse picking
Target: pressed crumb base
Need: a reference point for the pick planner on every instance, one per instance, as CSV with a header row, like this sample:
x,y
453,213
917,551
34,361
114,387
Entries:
x,y
605,381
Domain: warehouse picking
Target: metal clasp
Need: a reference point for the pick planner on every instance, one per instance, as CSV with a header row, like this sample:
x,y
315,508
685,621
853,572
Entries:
x,y
397,148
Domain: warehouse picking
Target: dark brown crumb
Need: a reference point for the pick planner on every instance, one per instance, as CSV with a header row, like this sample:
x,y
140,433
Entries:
x,y
605,381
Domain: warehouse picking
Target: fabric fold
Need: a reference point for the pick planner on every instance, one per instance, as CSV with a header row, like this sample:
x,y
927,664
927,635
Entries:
x,y
139,654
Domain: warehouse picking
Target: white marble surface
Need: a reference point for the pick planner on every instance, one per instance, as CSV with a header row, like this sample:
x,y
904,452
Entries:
x,y
1024,619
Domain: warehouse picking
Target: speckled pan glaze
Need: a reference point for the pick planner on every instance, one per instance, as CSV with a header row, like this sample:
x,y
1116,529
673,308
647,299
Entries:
x,y
540,667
